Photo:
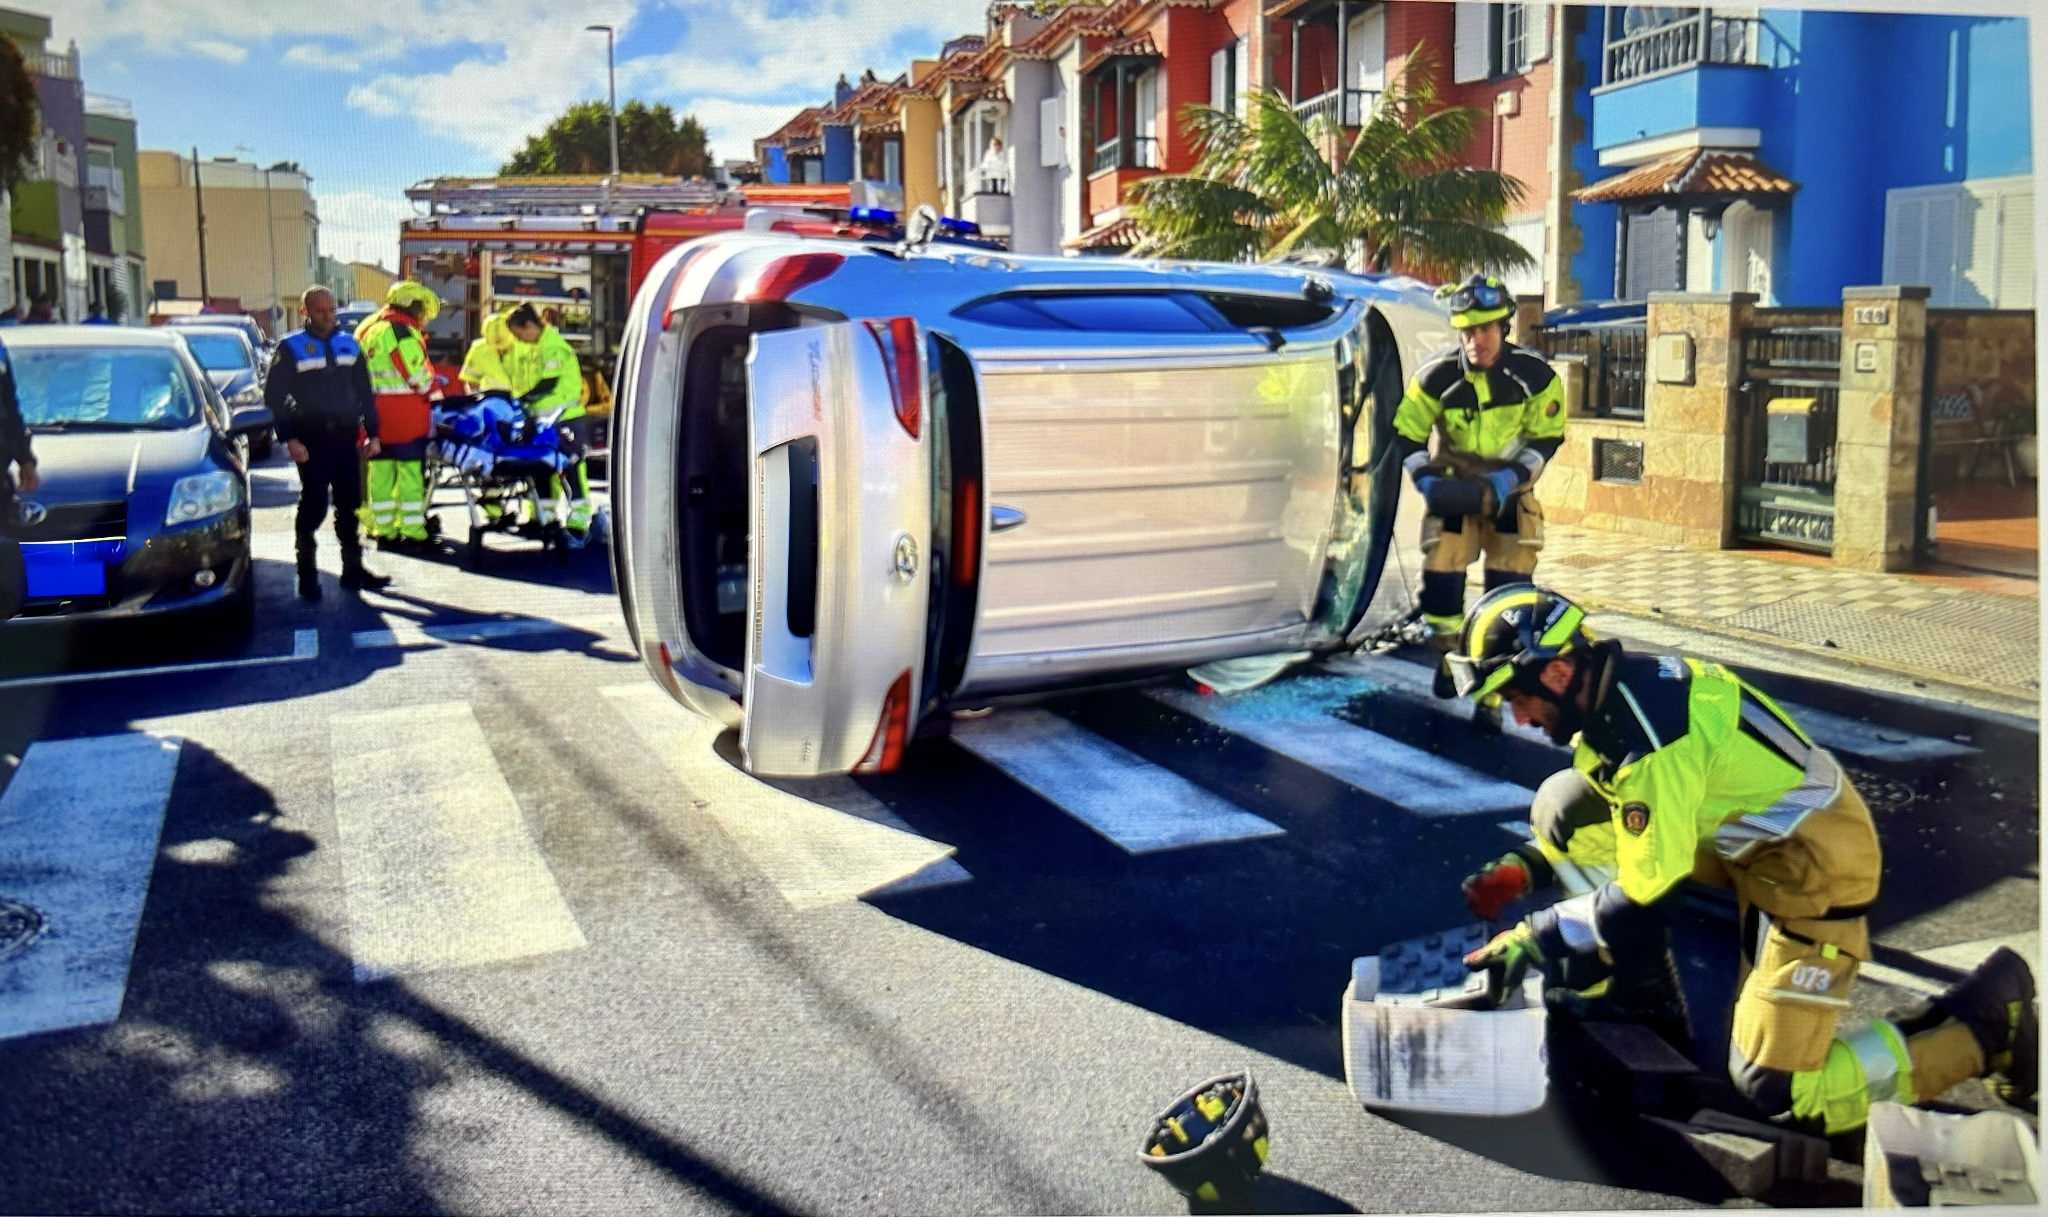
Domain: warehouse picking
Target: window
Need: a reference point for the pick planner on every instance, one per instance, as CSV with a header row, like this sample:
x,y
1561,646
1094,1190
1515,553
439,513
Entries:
x,y
1223,87
1126,313
1971,243
1498,39
892,161
1145,122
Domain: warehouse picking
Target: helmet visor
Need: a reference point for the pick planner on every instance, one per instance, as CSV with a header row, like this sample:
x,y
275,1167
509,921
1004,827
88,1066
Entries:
x,y
1479,678
1472,297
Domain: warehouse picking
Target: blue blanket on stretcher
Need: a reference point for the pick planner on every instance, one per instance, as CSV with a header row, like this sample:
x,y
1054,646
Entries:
x,y
477,434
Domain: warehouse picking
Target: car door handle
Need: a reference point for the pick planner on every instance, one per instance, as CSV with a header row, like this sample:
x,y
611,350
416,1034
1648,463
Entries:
x,y
1003,519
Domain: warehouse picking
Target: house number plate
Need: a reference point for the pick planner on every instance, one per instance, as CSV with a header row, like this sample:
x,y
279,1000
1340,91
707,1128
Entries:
x,y
1873,314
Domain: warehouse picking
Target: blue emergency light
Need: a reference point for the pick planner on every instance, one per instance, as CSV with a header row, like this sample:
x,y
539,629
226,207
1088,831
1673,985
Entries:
x,y
882,215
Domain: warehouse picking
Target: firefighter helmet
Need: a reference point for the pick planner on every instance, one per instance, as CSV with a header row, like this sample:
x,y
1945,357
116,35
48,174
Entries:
x,y
1211,1143
1513,631
1476,301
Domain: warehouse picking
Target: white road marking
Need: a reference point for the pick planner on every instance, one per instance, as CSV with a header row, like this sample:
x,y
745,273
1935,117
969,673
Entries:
x,y
820,842
305,646
1135,805
410,634
439,869
78,837
1414,780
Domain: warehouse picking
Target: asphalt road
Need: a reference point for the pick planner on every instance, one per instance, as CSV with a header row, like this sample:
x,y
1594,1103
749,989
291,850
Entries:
x,y
431,903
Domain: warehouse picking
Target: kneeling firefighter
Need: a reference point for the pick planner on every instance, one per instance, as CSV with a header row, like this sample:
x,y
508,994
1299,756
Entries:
x,y
1682,770
1500,412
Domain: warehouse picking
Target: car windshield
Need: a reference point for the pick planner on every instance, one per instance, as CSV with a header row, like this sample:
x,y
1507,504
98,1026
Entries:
x,y
218,352
102,388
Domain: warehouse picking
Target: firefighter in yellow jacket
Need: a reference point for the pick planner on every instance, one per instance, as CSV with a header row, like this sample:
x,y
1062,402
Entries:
x,y
402,381
483,367
554,379
1681,770
1499,410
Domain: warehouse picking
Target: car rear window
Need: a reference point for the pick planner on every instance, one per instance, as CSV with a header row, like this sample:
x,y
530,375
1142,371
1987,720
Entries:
x,y
218,352
102,388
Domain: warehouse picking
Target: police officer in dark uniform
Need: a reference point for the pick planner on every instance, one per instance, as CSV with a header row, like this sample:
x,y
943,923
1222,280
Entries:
x,y
15,452
319,390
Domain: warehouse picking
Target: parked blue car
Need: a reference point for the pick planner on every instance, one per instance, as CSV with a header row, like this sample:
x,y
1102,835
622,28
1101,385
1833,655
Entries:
x,y
144,504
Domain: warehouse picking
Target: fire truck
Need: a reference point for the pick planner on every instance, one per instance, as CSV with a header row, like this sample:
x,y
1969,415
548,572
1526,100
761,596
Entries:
x,y
577,248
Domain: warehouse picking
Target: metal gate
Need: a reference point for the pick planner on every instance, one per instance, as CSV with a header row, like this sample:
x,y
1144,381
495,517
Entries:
x,y
1785,435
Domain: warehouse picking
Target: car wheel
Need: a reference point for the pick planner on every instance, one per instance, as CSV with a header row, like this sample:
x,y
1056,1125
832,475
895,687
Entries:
x,y
238,612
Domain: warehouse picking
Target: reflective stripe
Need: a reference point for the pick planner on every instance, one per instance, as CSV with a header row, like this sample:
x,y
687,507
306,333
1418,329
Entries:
x,y
1887,1066
313,364
400,391
1774,732
343,361
1532,460
1576,922
1740,836
1656,741
1416,460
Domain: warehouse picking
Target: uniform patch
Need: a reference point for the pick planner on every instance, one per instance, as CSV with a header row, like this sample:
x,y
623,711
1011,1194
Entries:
x,y
1635,817
1550,411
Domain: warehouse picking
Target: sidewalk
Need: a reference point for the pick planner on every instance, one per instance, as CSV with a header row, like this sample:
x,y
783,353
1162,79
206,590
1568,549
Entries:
x,y
1971,638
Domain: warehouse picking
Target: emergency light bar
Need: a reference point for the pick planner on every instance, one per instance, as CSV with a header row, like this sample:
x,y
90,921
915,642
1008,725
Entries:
x,y
882,215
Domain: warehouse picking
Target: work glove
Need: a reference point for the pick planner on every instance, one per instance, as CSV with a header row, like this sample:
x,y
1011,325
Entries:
x,y
1455,497
1509,957
1496,885
1503,483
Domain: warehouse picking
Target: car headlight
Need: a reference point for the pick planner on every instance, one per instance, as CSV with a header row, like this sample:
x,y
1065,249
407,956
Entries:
x,y
251,396
202,496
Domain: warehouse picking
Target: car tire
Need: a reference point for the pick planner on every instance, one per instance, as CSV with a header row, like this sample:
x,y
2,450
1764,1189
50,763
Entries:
x,y
238,612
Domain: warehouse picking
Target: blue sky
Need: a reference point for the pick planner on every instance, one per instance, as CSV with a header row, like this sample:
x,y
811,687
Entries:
x,y
371,97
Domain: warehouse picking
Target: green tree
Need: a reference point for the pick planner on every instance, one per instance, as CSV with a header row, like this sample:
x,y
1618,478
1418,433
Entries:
x,y
21,123
651,140
1265,187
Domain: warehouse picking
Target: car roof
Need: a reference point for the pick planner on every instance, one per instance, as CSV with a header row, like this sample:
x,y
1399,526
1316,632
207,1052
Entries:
x,y
221,330
28,337
234,319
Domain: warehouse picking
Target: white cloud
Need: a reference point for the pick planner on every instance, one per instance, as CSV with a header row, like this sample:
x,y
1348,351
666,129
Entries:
x,y
214,48
312,55
361,225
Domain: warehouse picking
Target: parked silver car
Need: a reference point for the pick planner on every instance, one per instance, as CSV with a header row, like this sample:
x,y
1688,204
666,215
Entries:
x,y
858,484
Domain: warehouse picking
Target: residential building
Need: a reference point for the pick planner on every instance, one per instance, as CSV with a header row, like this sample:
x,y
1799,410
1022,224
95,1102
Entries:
x,y
371,281
1336,57
116,254
1744,149
47,212
262,231
336,276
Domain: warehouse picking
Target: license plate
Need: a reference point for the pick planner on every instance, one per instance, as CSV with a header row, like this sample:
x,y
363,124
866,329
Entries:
x,y
60,569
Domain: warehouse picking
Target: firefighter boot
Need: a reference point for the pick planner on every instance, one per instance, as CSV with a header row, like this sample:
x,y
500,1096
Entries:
x,y
1643,989
309,571
355,578
1997,1003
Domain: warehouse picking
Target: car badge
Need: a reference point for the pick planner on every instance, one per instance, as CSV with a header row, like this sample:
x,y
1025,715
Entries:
x,y
33,513
906,557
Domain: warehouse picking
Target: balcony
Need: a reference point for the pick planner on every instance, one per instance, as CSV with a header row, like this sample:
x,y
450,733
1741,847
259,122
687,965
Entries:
x,y
1138,152
989,205
105,190
1690,43
50,65
100,105
1357,105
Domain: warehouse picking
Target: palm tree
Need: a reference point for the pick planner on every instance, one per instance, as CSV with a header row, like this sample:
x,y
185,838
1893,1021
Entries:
x,y
1265,187
21,128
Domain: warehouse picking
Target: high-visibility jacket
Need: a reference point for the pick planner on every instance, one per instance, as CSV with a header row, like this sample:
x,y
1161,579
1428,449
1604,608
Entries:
x,y
553,359
483,368
401,379
1691,758
1508,416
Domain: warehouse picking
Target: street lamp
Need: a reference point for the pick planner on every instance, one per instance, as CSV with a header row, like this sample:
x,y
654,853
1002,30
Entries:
x,y
612,91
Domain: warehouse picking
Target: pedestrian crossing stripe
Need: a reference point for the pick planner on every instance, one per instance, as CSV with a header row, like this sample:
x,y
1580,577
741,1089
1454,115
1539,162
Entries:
x,y
1133,804
1418,782
830,844
79,826
439,870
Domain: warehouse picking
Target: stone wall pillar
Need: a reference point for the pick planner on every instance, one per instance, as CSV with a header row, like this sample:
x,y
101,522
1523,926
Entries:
x,y
1877,426
1689,443
1528,320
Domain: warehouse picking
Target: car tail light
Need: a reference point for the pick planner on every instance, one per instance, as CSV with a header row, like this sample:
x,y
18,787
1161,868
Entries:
x,y
966,532
892,732
897,337
667,675
676,302
784,277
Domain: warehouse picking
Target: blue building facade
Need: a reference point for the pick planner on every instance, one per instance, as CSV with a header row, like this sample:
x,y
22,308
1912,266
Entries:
x,y
1827,149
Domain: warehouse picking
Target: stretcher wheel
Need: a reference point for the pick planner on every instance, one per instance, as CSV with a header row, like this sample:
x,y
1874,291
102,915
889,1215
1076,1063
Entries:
x,y
474,557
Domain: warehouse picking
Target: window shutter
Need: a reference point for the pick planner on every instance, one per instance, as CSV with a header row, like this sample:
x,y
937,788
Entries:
x,y
1369,51
2015,279
1052,142
1472,43
1905,233
1535,33
1241,76
1977,245
1219,80
1938,256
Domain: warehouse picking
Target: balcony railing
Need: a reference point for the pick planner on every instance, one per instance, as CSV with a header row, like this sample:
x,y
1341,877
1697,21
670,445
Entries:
x,y
52,66
1684,44
1358,103
1143,153
109,107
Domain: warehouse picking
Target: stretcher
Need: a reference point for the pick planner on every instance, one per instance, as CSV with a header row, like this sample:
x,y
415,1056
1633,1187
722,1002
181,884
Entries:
x,y
502,461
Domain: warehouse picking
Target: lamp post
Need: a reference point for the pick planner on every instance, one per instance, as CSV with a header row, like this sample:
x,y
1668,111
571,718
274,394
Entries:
x,y
269,231
611,92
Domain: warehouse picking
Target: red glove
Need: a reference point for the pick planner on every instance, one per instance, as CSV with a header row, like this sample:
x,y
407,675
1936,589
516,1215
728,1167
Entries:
x,y
1498,884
